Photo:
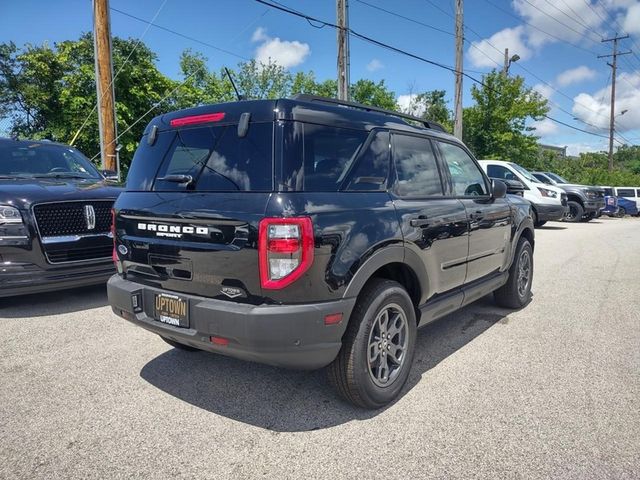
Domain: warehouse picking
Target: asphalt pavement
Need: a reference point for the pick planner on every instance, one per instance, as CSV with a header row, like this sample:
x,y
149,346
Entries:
x,y
550,391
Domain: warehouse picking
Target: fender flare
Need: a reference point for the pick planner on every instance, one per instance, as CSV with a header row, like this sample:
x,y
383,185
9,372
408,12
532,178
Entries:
x,y
385,256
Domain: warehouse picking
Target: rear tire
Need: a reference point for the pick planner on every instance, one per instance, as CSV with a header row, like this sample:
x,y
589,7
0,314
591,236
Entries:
x,y
378,347
179,346
516,293
575,212
621,212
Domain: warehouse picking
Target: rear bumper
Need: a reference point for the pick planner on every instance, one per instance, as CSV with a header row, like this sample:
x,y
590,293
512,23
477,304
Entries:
x,y
18,278
292,336
550,212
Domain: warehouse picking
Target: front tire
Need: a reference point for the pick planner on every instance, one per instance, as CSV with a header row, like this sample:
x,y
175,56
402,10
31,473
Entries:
x,y
575,212
621,212
516,293
378,347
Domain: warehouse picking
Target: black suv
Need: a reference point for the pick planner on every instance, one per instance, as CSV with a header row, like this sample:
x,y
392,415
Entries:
x,y
55,218
309,232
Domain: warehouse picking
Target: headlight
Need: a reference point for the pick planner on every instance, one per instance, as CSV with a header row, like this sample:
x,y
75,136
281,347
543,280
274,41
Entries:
x,y
9,215
548,193
591,194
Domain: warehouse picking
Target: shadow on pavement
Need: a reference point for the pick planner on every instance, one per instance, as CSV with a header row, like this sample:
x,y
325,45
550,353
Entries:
x,y
54,303
288,400
552,227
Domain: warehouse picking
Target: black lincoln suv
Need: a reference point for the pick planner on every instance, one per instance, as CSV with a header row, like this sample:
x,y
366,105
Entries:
x,y
307,233
55,218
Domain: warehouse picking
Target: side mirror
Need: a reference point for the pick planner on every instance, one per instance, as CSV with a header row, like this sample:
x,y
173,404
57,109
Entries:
x,y
498,189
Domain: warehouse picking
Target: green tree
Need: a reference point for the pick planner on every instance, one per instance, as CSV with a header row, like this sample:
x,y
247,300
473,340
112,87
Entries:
x,y
496,126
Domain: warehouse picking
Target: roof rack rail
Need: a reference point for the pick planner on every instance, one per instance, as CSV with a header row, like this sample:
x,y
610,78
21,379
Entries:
x,y
333,101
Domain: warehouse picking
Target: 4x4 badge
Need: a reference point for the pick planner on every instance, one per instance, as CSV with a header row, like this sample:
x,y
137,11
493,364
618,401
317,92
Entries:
x,y
231,292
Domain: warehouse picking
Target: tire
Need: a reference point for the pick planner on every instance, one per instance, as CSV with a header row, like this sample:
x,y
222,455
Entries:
x,y
621,212
539,224
575,212
179,346
363,383
513,294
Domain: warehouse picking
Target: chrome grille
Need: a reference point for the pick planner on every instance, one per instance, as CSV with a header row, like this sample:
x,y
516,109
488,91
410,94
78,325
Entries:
x,y
69,218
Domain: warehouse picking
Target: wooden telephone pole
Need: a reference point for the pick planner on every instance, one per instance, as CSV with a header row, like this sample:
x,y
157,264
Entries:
x,y
457,124
342,14
614,67
104,83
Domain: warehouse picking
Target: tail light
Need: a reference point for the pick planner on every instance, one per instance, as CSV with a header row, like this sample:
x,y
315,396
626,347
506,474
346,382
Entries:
x,y
285,250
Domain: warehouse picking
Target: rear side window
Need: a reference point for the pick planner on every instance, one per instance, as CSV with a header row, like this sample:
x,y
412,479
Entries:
x,y
416,167
608,191
372,165
214,157
317,158
626,192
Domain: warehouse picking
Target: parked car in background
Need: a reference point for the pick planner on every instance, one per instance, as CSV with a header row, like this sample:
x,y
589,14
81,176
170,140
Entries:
x,y
630,193
548,202
585,202
624,205
309,232
610,203
55,218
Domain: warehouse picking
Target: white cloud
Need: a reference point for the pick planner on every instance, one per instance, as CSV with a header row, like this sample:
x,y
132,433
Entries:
x,y
570,20
545,127
543,89
594,108
490,51
374,65
631,22
407,104
575,75
285,53
575,149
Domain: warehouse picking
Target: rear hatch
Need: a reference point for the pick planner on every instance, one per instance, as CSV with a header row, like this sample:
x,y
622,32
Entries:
x,y
196,192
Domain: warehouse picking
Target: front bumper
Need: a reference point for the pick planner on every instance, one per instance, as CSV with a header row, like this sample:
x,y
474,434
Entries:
x,y
293,336
550,212
593,206
21,278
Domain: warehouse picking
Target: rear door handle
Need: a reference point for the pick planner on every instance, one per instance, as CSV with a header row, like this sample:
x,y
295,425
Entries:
x,y
419,221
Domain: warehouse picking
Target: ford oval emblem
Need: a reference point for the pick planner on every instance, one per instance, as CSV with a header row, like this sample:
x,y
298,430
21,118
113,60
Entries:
x,y
123,250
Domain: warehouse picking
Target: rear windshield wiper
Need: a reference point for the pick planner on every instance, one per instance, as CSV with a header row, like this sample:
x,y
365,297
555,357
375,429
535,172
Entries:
x,y
177,179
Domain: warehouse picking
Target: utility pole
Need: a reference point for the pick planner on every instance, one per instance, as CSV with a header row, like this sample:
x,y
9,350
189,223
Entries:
x,y
505,69
614,67
104,83
457,123
342,14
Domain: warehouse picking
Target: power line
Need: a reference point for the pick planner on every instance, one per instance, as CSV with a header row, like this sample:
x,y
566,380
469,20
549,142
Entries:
x,y
407,18
187,37
181,84
582,34
550,35
138,42
402,52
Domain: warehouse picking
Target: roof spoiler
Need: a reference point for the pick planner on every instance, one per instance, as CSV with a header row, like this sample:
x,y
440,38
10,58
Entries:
x,y
303,97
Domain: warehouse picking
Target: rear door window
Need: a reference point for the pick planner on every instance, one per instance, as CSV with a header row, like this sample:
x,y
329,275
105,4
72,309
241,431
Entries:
x,y
317,158
416,167
217,159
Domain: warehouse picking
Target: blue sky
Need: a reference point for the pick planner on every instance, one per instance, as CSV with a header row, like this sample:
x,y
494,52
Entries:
x,y
558,42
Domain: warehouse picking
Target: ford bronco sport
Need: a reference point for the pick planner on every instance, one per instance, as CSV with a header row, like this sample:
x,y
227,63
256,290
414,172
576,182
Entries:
x,y
308,232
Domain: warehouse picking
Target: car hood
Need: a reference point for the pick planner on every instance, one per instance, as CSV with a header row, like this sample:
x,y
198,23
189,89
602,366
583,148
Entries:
x,y
23,193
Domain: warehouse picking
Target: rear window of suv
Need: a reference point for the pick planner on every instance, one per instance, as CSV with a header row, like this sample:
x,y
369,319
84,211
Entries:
x,y
215,157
